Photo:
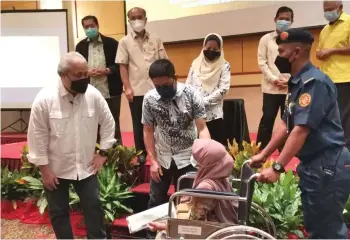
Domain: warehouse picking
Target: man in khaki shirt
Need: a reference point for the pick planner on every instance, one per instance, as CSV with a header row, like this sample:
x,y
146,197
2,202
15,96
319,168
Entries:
x,y
274,84
136,52
334,53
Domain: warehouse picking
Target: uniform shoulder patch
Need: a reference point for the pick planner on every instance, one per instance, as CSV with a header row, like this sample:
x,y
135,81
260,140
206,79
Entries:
x,y
304,100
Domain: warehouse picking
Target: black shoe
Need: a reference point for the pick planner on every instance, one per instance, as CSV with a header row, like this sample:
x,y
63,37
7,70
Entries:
x,y
142,159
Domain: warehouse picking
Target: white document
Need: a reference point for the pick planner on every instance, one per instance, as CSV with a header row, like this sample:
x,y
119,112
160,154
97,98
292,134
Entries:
x,y
140,221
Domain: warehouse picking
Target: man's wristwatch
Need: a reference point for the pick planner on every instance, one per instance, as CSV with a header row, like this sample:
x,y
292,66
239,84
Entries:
x,y
278,167
103,153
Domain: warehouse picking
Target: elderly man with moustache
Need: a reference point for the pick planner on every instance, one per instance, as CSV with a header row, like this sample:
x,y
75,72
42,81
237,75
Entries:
x,y
61,139
136,52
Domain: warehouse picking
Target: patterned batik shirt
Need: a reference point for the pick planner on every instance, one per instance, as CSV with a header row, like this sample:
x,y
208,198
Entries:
x,y
174,123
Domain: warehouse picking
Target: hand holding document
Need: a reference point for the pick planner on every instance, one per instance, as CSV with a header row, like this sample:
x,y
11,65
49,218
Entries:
x,y
140,221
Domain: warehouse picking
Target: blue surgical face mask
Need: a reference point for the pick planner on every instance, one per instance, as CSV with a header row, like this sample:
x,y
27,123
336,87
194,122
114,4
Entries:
x,y
282,25
91,33
331,16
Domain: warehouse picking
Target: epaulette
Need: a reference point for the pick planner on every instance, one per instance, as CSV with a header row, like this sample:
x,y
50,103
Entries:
x,y
308,80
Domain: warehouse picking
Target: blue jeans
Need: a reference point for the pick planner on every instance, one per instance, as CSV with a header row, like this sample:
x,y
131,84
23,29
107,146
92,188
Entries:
x,y
324,195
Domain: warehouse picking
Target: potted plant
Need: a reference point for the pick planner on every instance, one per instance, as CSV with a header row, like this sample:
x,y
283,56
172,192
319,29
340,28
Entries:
x,y
282,202
248,150
113,193
126,164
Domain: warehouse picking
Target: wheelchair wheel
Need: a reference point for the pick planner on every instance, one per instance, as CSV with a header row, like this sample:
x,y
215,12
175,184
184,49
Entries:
x,y
240,232
259,218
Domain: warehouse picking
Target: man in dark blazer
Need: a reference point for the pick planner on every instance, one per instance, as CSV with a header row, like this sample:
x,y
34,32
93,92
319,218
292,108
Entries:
x,y
100,52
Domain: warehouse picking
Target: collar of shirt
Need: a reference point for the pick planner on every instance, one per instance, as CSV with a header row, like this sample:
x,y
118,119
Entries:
x,y
134,35
299,75
274,34
62,90
343,17
179,89
99,39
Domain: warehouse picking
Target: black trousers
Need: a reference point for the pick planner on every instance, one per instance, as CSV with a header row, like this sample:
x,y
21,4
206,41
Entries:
x,y
136,115
271,104
344,109
159,191
216,130
114,107
324,196
58,204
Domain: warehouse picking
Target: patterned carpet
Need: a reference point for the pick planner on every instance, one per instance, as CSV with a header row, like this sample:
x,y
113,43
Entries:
x,y
13,229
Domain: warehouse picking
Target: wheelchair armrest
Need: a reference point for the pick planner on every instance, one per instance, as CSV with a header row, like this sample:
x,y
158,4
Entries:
x,y
205,194
210,192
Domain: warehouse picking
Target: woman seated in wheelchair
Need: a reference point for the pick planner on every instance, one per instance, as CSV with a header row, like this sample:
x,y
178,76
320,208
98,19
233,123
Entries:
x,y
214,167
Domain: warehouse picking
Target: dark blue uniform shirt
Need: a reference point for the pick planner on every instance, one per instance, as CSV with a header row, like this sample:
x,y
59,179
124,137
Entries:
x,y
312,102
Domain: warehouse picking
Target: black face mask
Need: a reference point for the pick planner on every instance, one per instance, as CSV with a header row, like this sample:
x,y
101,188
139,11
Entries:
x,y
166,92
283,64
211,55
80,86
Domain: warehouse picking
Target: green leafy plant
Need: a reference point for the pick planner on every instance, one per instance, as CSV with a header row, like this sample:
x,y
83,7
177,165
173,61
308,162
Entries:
x,y
10,189
346,212
126,164
27,167
112,193
35,190
282,202
248,150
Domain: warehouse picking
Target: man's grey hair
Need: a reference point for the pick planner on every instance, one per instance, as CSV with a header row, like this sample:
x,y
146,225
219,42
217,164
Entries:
x,y
67,60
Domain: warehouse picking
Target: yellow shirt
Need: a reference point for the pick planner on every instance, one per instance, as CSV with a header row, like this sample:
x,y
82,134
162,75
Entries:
x,y
336,35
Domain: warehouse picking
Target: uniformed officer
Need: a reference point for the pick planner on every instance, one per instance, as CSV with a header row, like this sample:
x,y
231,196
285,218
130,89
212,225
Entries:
x,y
312,129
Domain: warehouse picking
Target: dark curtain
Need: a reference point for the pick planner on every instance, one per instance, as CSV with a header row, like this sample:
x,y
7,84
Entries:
x,y
235,121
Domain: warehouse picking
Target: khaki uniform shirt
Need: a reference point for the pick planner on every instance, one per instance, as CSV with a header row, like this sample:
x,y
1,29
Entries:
x,y
139,54
267,54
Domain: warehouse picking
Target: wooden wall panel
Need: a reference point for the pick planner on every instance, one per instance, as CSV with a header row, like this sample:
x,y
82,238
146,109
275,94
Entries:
x,y
110,15
250,49
182,55
315,33
116,36
19,5
233,54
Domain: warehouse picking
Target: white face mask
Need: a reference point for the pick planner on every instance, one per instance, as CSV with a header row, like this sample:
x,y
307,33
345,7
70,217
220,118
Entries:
x,y
137,25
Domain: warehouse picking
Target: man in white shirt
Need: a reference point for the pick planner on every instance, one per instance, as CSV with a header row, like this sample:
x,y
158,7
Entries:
x,y
61,139
274,84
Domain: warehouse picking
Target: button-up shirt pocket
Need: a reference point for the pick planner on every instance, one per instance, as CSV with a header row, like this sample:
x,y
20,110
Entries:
x,y
58,123
88,117
150,51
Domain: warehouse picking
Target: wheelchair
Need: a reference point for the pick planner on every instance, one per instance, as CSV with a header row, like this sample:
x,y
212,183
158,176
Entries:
x,y
193,229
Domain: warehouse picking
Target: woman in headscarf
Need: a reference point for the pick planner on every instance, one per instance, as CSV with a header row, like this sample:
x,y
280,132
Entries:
x,y
210,74
214,167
